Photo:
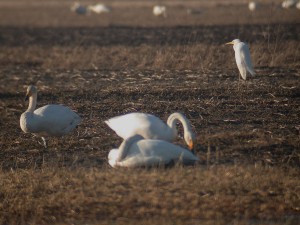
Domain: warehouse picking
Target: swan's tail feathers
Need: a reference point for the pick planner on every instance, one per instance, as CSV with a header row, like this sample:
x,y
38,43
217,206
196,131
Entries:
x,y
71,126
111,123
118,127
75,122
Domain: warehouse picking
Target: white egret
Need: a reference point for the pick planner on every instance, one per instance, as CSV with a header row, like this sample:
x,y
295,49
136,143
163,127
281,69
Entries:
x,y
159,10
151,127
252,6
49,120
139,152
242,57
99,8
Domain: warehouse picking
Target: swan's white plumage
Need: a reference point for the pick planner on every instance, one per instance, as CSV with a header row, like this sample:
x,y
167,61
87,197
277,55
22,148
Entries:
x,y
151,127
147,125
242,58
49,120
138,152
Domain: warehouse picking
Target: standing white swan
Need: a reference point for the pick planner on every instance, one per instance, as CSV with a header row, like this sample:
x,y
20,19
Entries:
x,y
151,127
242,57
49,120
139,152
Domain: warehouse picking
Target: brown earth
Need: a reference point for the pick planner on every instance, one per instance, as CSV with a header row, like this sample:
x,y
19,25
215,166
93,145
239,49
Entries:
x,y
127,61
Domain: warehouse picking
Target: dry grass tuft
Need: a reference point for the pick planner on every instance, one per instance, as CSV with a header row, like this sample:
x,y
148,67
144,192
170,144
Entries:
x,y
192,52
128,61
62,195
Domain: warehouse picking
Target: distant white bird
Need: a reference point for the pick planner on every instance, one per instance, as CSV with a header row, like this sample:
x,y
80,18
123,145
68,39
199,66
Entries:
x,y
298,5
139,152
151,127
288,4
79,9
49,120
99,8
252,6
242,57
159,10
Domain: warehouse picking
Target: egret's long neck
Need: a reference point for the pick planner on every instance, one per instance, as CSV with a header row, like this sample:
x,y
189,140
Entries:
x,y
32,103
125,146
184,121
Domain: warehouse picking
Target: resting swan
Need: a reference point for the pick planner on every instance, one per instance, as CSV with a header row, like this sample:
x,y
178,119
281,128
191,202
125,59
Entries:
x,y
139,152
151,127
49,120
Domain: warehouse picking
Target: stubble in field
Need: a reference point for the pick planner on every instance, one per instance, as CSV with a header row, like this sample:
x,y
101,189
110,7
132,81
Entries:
x,y
247,132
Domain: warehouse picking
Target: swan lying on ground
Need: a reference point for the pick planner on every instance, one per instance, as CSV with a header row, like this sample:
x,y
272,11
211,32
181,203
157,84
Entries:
x,y
151,127
49,120
139,152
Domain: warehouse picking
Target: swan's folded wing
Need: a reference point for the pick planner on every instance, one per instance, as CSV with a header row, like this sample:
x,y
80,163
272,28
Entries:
x,y
56,120
127,125
144,124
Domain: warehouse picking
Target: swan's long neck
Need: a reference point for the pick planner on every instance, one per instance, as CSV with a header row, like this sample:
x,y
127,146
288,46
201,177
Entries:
x,y
184,121
125,146
32,103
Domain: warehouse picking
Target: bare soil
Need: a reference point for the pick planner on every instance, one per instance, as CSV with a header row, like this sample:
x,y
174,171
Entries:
x,y
248,132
